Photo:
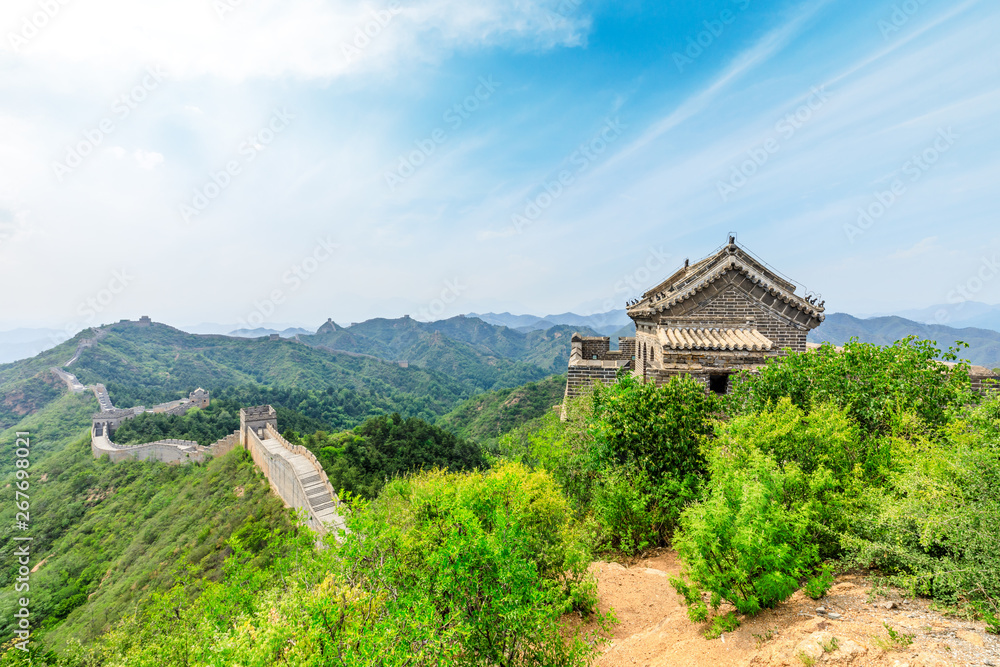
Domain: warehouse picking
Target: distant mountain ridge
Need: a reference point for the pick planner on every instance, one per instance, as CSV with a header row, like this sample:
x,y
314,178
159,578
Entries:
x,y
958,314
838,328
605,324
290,332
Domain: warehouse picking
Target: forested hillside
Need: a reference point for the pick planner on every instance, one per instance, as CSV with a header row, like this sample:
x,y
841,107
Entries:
x,y
488,416
467,342
824,461
472,522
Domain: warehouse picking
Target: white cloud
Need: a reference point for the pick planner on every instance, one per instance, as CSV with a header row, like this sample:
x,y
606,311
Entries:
x,y
147,159
921,247
266,38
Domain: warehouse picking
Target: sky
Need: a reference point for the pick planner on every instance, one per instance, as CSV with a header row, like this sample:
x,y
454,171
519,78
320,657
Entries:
x,y
288,161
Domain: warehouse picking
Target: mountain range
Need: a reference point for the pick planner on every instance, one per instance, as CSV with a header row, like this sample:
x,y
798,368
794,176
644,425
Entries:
x,y
962,314
838,328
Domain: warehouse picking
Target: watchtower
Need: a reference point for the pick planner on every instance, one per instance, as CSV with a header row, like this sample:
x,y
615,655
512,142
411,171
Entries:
x,y
256,419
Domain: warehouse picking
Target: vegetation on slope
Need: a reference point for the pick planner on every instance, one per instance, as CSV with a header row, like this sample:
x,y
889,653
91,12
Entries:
x,y
361,461
109,535
443,568
495,357
204,426
486,417
873,456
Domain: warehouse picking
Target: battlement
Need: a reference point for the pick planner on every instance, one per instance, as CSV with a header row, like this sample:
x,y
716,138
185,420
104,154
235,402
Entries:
x,y
591,359
256,419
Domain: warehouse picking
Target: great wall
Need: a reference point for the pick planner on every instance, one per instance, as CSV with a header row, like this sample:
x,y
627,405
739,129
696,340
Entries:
x,y
292,471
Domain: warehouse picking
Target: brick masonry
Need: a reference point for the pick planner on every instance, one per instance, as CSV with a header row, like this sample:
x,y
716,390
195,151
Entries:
x,y
728,290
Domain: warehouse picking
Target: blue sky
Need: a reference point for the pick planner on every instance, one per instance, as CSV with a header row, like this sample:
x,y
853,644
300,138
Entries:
x,y
258,161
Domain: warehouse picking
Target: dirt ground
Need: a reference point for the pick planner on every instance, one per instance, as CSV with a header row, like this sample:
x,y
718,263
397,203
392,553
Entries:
x,y
653,629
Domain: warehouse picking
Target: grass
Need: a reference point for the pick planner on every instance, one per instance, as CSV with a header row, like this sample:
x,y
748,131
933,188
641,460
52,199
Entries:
x,y
721,624
897,641
764,637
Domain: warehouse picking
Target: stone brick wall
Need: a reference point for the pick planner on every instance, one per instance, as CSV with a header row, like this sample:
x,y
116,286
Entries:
x,y
733,308
591,358
987,382
579,378
225,445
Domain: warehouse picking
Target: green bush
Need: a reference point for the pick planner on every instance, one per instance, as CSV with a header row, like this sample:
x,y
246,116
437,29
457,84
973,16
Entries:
x,y
657,429
486,561
825,436
871,382
752,538
935,529
636,512
561,447
818,585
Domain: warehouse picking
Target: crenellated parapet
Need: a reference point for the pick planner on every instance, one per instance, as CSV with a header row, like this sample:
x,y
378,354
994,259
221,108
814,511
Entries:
x,y
591,359
292,471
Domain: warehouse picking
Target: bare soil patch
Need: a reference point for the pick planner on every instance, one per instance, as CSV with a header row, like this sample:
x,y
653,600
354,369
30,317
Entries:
x,y
848,629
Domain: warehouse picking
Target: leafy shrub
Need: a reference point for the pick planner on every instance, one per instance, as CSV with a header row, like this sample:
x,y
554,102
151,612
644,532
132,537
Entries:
x,y
657,429
490,559
561,447
870,382
826,436
636,512
751,539
992,623
934,530
818,585
721,624
646,456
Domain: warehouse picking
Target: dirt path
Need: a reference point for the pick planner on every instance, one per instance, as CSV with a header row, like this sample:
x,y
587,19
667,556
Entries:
x,y
654,631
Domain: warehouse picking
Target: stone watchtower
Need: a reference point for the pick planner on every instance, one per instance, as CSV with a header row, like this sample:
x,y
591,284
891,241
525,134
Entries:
x,y
726,313
256,419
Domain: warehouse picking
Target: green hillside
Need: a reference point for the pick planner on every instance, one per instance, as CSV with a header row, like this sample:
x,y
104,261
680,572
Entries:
x,y
106,536
467,348
487,416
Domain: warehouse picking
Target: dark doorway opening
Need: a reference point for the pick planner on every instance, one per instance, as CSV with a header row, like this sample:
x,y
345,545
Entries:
x,y
718,384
